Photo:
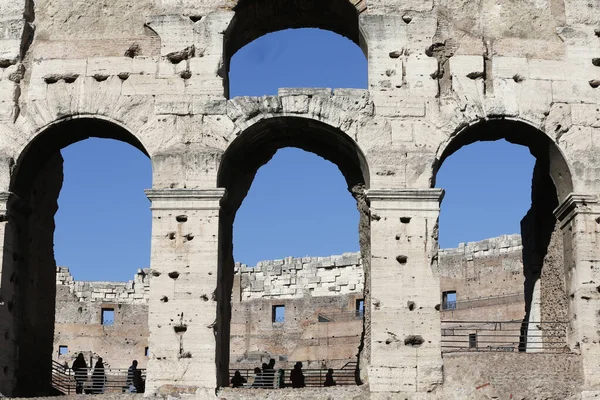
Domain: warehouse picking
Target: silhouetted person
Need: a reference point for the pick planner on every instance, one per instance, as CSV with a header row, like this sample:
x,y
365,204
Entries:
x,y
269,374
80,371
130,375
297,377
138,381
257,378
98,377
238,380
329,378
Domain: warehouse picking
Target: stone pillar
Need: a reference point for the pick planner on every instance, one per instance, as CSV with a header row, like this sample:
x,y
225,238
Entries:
x,y
579,216
405,291
182,306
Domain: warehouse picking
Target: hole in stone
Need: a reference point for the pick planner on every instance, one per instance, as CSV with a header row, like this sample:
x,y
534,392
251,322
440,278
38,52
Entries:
x,y
407,18
402,259
133,51
174,275
186,74
171,235
189,237
180,328
155,273
195,18
405,220
413,340
100,77
123,76
437,307
186,354
181,218
164,299
204,297
475,75
51,79
410,305
596,62
594,83
397,237
5,63
518,78
70,78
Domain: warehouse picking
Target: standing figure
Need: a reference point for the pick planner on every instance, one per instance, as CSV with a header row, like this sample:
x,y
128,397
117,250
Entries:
x,y
329,378
98,377
257,378
80,371
130,375
138,381
297,377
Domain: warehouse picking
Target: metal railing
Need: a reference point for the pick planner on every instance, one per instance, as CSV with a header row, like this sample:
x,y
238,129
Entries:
x,y
511,336
483,302
115,380
280,378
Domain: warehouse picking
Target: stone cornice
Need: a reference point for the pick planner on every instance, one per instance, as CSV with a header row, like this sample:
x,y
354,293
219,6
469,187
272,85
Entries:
x,y
185,194
575,204
185,199
424,195
406,198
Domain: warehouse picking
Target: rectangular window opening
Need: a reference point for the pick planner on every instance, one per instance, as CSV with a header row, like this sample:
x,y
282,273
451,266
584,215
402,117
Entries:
x,y
108,316
146,351
63,350
278,314
449,300
360,307
472,340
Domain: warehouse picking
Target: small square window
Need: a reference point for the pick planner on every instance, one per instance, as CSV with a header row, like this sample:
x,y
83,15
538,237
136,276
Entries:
x,y
360,307
108,316
62,350
278,314
472,340
449,300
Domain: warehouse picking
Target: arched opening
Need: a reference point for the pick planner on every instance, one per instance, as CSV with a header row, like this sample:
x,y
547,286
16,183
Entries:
x,y
253,149
514,281
30,283
254,19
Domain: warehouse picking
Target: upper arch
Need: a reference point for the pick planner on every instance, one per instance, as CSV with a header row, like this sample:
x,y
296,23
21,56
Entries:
x,y
255,18
59,134
256,145
541,146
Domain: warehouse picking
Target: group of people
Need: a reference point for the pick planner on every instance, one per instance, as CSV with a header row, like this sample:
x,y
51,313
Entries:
x,y
266,377
134,383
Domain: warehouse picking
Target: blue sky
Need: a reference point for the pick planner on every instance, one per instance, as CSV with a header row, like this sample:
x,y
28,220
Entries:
x,y
299,204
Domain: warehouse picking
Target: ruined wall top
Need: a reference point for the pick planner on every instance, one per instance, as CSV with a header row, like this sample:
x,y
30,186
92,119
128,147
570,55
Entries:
x,y
298,277
135,291
487,247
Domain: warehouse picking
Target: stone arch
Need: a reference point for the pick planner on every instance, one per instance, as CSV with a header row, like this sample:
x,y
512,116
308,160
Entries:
x,y
545,259
255,18
541,146
28,264
253,148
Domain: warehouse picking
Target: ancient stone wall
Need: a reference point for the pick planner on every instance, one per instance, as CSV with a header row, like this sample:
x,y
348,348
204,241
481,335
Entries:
x,y
154,73
487,277
79,321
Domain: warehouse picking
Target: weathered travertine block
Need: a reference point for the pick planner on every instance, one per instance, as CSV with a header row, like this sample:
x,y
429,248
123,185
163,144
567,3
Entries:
x,y
405,354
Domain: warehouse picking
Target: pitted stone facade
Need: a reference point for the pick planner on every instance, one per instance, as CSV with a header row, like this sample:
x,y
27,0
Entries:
x,y
153,73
